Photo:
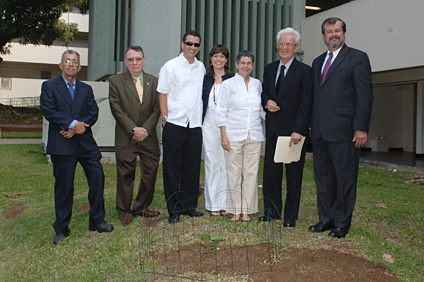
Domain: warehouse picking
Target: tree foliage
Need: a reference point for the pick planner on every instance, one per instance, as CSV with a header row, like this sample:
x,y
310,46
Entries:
x,y
36,21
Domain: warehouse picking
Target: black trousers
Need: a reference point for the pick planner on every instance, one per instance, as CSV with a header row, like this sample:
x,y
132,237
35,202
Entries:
x,y
64,173
273,177
181,166
336,173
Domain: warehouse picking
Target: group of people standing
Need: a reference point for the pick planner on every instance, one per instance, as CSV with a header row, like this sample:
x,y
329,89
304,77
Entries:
x,y
331,101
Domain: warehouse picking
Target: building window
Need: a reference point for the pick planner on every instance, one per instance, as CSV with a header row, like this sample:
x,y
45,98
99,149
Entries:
x,y
6,83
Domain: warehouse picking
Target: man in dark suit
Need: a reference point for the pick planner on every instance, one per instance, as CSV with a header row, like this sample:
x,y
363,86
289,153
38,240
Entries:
x,y
287,98
69,106
341,115
134,104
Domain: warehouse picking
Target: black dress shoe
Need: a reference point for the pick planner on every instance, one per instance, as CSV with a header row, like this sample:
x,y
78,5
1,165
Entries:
x,y
174,218
58,238
266,218
193,213
289,223
337,233
321,227
101,227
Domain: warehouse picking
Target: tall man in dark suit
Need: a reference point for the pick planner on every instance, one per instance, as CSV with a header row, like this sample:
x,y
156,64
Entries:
x,y
341,115
287,98
134,104
69,106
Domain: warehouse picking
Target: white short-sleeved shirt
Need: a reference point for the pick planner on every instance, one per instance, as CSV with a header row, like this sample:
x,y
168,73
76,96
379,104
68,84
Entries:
x,y
182,83
239,110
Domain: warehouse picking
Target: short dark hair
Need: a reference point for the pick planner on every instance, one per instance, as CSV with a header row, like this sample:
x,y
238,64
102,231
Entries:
x,y
135,48
219,48
70,51
193,33
245,53
332,20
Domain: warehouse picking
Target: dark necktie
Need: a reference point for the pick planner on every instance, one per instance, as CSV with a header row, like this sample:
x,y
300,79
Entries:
x,y
326,67
280,78
71,89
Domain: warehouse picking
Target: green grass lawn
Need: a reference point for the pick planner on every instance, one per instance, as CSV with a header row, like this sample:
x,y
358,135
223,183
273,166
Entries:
x,y
28,254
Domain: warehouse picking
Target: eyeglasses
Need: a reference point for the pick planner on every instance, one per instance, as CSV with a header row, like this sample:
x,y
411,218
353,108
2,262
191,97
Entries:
x,y
288,44
189,43
136,60
71,62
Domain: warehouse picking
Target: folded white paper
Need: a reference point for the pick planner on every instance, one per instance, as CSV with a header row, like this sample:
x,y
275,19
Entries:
x,y
286,154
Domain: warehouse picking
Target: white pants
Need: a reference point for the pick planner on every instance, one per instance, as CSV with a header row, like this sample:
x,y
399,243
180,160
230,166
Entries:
x,y
215,170
243,161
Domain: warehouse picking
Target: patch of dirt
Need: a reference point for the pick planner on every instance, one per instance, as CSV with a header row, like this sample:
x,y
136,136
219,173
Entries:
x,y
81,207
252,263
20,115
14,211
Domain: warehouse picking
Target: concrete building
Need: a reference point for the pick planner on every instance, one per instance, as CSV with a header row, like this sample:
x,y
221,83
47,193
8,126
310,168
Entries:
x,y
386,29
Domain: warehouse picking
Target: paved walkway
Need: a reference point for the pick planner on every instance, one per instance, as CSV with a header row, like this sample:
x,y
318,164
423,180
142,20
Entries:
x,y
21,141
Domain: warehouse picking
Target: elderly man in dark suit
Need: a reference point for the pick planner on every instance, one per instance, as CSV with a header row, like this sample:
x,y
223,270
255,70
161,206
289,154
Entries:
x,y
341,115
287,98
69,106
134,104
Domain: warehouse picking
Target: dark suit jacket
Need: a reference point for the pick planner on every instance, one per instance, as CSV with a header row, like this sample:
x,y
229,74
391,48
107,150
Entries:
x,y
60,110
343,103
208,82
127,110
294,99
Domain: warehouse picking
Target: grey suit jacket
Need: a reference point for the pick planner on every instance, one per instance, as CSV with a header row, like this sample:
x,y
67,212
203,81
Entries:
x,y
343,103
127,110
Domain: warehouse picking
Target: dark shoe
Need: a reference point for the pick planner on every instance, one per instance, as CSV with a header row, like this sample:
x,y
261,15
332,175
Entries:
x,y
193,213
127,221
148,213
174,218
266,218
289,223
321,227
101,227
58,238
66,232
337,233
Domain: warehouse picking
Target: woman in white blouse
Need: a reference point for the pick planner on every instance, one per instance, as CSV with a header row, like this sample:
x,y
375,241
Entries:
x,y
213,153
239,115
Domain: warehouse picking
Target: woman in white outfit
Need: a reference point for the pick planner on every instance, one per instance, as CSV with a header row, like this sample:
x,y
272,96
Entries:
x,y
239,115
213,153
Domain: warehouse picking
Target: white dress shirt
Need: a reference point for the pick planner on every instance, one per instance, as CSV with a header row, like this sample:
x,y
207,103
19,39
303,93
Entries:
x,y
182,82
240,110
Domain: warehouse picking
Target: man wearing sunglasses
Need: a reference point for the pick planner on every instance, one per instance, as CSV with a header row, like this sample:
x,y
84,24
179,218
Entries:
x,y
180,103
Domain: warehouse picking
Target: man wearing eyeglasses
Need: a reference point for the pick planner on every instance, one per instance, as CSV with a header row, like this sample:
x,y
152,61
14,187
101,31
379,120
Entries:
x,y
287,98
134,104
69,106
180,102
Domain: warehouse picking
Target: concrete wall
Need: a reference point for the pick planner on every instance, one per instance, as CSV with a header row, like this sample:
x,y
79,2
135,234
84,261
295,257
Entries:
x,y
388,30
157,31
393,116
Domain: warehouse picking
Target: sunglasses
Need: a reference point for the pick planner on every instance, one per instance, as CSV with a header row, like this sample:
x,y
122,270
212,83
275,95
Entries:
x,y
189,43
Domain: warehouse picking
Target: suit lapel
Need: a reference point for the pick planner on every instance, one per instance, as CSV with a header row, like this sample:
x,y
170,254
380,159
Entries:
x,y
147,89
129,83
340,57
288,79
63,91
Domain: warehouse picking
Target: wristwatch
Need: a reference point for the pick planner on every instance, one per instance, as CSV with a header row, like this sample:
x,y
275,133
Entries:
x,y
164,118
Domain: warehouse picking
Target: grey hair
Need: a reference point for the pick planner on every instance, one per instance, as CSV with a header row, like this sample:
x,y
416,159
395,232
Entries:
x,y
289,30
70,51
245,53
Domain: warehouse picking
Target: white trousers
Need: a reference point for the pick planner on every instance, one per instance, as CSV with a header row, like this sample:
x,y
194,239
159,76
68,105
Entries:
x,y
215,170
243,161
